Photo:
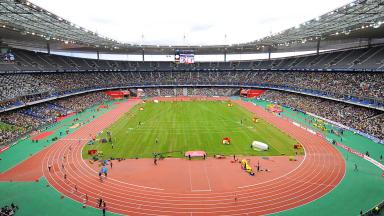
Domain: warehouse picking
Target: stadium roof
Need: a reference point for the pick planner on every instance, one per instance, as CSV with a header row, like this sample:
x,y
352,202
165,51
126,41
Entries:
x,y
358,15
25,24
27,18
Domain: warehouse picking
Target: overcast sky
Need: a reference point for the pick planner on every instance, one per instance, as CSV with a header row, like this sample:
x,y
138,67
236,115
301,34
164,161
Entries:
x,y
193,22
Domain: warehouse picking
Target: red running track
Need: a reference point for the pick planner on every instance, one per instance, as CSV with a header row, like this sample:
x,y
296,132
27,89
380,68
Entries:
x,y
321,170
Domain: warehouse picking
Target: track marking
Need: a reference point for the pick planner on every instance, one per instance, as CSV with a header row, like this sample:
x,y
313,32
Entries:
x,y
206,175
140,186
301,163
190,178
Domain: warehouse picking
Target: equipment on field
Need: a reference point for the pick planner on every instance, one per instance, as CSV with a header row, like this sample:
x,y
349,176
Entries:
x,y
245,166
297,146
256,145
255,120
191,154
218,156
162,155
92,152
226,140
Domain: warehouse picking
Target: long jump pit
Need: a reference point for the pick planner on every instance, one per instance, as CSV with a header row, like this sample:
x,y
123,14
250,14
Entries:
x,y
197,187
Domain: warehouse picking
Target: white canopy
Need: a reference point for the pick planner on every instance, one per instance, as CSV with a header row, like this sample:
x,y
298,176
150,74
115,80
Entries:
x,y
259,145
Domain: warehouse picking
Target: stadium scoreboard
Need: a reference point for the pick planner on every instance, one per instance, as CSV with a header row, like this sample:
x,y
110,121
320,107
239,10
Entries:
x,y
184,56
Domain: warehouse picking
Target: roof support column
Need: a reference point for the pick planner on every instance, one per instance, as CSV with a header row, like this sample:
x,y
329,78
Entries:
x,y
318,47
142,55
269,52
48,48
98,54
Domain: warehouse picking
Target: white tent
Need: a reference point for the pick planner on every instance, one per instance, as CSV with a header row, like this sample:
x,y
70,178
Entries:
x,y
256,145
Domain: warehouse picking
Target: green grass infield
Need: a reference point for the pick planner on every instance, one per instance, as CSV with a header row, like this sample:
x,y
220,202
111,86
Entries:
x,y
173,128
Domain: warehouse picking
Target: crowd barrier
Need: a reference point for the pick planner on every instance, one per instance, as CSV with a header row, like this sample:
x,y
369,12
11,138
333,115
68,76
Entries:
x,y
377,140
2,149
376,210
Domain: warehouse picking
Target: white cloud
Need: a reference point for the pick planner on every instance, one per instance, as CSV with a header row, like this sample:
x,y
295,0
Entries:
x,y
201,21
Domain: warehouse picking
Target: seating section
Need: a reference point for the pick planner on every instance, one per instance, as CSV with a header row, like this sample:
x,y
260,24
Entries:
x,y
20,88
29,85
367,120
16,123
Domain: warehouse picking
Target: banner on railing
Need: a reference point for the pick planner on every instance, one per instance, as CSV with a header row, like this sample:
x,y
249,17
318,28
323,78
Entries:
x,y
359,154
348,149
305,128
374,162
3,149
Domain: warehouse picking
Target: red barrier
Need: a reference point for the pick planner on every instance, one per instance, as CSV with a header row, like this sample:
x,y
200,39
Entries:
x,y
251,93
92,152
3,149
117,94
369,159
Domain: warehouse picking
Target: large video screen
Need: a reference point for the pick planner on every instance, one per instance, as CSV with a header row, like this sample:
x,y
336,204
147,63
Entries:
x,y
184,57
7,55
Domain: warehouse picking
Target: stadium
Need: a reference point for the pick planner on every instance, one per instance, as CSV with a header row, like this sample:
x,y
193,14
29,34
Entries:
x,y
289,122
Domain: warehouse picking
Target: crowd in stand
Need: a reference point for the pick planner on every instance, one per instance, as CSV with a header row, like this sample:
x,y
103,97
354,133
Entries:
x,y
366,120
213,91
153,92
18,122
79,103
30,87
9,210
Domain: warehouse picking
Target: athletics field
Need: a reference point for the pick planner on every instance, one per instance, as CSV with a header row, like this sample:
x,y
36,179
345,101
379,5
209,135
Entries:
x,y
173,128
